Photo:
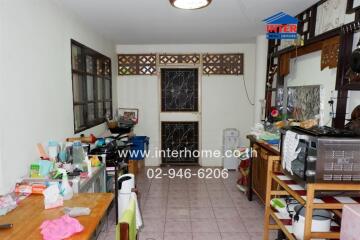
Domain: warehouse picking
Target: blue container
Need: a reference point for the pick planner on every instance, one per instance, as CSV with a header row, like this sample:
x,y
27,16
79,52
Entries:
x,y
140,145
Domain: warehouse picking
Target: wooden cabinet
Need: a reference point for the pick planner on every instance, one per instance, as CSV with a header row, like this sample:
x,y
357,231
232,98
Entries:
x,y
259,165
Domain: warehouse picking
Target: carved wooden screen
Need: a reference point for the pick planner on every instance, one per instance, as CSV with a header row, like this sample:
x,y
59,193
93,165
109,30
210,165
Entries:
x,y
137,64
212,63
224,64
179,59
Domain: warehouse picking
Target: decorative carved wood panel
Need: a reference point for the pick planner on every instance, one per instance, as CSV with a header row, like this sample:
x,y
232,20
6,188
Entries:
x,y
330,53
225,64
146,64
179,59
137,64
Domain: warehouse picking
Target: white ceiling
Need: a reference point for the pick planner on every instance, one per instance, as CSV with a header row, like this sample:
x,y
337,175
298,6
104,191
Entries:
x,y
157,22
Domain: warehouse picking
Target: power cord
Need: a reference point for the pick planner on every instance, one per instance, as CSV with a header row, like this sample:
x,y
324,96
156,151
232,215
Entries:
x,y
290,201
297,214
246,91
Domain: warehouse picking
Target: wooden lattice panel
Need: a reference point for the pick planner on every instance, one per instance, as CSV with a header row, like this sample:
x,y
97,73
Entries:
x,y
179,59
224,64
330,53
137,64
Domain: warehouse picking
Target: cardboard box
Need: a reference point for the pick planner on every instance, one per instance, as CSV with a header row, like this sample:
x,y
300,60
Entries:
x,y
133,166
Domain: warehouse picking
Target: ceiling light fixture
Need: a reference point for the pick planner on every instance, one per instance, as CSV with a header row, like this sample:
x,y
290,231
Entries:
x,y
190,4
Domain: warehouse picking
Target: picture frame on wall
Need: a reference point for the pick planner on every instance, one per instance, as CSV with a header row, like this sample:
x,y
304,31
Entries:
x,y
127,114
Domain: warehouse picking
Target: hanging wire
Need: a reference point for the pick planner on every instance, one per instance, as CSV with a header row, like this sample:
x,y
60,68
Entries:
x,y
247,93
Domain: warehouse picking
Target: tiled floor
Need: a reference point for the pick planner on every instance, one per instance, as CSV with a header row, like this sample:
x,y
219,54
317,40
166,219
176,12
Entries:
x,y
197,209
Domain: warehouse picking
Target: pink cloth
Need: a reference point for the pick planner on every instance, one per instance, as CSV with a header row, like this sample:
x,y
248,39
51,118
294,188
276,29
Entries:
x,y
60,228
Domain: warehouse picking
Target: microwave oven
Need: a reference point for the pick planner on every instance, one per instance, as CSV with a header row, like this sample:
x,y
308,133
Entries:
x,y
325,155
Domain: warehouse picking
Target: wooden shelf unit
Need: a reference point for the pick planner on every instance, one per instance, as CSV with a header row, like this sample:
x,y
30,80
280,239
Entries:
x,y
307,198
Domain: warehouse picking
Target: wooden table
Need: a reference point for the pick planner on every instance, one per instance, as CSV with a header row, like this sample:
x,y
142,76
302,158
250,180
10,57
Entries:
x,y
30,213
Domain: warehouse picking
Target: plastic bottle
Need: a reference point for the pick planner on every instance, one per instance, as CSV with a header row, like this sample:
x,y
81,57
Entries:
x,y
78,155
88,165
65,189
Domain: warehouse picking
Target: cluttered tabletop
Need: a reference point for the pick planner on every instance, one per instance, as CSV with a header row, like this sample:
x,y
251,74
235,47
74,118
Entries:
x,y
27,218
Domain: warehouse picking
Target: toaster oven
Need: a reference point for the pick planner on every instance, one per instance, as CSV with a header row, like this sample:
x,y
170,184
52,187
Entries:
x,y
325,157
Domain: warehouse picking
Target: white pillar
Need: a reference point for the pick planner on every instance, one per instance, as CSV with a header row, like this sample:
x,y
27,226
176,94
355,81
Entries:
x,y
260,74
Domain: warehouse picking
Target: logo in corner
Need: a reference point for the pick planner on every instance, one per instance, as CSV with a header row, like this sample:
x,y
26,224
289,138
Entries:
x,y
281,26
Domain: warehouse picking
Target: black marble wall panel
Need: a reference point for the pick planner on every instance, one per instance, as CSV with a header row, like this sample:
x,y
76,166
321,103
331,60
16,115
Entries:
x,y
177,136
179,90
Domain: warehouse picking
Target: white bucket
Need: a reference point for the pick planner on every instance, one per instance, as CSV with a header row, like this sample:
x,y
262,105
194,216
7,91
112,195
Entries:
x,y
321,221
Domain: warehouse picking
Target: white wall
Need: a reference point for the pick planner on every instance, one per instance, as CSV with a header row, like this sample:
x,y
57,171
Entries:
x,y
224,103
260,81
305,70
36,81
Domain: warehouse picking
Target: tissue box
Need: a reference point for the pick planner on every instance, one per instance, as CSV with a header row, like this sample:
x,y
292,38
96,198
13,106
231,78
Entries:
x,y
350,222
52,197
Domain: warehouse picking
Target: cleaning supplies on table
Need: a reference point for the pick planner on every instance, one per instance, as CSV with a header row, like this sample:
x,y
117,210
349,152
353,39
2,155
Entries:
x,y
52,197
41,168
60,228
77,211
7,203
65,189
45,167
78,154
63,154
41,151
95,161
35,170
53,149
88,165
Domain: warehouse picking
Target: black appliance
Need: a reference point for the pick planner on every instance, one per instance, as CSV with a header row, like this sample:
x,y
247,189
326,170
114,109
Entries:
x,y
326,155
111,151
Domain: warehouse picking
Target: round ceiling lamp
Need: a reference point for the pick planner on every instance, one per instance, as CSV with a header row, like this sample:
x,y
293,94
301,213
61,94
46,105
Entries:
x,y
190,4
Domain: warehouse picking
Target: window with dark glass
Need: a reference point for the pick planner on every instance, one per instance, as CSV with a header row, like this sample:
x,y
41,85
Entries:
x,y
91,80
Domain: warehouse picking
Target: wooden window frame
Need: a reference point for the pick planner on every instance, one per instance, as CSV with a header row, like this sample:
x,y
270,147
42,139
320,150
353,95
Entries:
x,y
105,66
